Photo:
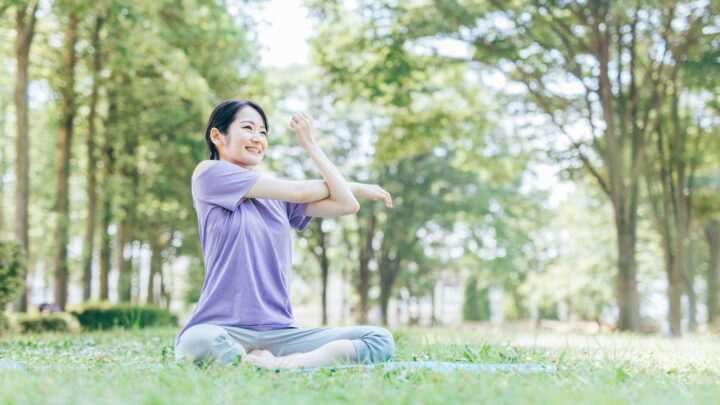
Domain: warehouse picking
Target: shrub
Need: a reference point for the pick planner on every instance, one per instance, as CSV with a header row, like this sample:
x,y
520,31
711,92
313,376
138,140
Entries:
x,y
477,302
12,268
106,316
57,322
5,325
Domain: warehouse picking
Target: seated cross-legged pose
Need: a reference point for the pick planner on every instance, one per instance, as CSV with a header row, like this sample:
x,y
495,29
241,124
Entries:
x,y
245,220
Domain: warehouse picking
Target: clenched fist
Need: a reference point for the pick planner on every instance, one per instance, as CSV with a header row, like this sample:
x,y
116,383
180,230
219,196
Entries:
x,y
303,126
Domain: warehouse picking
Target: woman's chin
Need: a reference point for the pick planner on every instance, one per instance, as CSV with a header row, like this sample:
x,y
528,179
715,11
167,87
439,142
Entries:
x,y
247,162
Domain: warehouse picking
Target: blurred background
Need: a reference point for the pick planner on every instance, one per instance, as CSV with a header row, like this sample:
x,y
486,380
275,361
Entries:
x,y
552,163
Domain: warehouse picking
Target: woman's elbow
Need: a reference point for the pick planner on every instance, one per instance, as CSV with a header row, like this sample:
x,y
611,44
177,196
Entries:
x,y
352,208
301,195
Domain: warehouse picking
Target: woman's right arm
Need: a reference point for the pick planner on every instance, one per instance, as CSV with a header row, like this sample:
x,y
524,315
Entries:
x,y
269,187
299,191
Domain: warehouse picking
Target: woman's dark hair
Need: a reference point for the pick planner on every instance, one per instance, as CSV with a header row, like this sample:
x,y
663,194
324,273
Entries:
x,y
223,115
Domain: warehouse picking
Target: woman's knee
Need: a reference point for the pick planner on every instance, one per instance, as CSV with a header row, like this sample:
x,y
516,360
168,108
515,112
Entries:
x,y
207,343
381,343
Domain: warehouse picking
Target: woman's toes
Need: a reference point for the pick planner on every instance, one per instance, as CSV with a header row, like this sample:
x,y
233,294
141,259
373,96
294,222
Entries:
x,y
259,360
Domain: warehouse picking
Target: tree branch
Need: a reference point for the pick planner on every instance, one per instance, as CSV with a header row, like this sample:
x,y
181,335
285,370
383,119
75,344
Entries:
x,y
576,145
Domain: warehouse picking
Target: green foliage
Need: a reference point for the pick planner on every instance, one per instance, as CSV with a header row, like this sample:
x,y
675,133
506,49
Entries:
x,y
12,269
476,306
577,273
5,324
56,322
104,316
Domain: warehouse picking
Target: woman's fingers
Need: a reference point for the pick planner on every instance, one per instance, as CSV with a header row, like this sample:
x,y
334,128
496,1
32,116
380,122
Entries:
x,y
301,121
381,193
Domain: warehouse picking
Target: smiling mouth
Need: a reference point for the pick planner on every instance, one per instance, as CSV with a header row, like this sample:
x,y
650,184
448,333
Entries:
x,y
252,150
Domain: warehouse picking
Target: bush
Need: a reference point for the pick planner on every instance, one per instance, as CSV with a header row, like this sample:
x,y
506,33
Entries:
x,y
477,302
5,325
12,268
106,316
57,322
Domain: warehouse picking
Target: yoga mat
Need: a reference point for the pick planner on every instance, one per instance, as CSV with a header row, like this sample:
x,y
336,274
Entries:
x,y
444,367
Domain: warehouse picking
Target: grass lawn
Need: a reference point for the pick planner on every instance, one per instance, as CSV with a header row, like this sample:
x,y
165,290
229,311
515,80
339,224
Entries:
x,y
137,367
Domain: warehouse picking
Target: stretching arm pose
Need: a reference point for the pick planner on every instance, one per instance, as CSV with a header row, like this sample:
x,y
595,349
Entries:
x,y
331,197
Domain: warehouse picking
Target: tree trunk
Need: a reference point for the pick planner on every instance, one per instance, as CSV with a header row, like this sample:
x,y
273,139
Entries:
x,y
3,166
324,262
325,267
123,263
155,267
130,179
164,294
67,111
92,165
105,249
712,234
108,191
627,293
136,249
689,284
388,271
672,211
675,288
366,253
433,315
518,302
622,184
25,26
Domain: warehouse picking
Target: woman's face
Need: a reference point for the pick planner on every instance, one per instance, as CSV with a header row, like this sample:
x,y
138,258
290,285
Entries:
x,y
245,141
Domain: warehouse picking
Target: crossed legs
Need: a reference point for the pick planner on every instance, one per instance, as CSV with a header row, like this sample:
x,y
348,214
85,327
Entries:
x,y
286,348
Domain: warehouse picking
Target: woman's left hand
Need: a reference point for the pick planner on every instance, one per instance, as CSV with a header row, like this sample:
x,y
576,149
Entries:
x,y
372,192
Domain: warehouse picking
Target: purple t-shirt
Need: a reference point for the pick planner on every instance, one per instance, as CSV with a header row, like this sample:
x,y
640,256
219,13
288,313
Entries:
x,y
247,250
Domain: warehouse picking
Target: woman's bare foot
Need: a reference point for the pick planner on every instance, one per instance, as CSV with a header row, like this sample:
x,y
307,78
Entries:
x,y
287,362
261,358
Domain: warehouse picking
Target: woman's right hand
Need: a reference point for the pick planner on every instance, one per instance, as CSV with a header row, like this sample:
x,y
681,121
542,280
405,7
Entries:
x,y
303,126
372,192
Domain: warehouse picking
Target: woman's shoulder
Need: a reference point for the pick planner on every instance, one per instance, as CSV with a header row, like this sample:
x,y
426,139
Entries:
x,y
202,167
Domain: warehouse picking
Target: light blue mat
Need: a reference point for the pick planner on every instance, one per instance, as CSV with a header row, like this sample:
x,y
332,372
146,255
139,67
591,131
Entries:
x,y
445,367
439,366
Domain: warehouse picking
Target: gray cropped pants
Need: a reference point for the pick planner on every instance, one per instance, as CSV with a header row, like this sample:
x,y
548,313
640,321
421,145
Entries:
x,y
224,344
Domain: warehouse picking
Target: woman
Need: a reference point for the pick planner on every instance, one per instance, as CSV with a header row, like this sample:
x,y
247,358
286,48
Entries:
x,y
245,220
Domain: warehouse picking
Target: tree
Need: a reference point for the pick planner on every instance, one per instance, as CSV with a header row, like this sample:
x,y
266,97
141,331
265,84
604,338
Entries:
x,y
92,158
616,64
427,189
704,207
712,233
68,110
423,107
12,268
25,18
319,249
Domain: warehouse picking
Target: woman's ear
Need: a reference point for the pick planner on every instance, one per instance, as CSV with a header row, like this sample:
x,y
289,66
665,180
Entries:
x,y
215,136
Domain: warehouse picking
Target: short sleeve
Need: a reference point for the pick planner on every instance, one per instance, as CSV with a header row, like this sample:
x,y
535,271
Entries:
x,y
223,184
296,215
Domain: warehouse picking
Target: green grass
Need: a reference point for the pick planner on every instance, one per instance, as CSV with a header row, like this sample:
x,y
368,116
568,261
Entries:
x,y
137,367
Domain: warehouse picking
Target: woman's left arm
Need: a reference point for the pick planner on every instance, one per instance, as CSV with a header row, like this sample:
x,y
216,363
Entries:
x,y
318,190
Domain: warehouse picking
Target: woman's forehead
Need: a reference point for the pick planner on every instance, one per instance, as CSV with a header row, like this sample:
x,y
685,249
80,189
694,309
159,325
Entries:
x,y
248,114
